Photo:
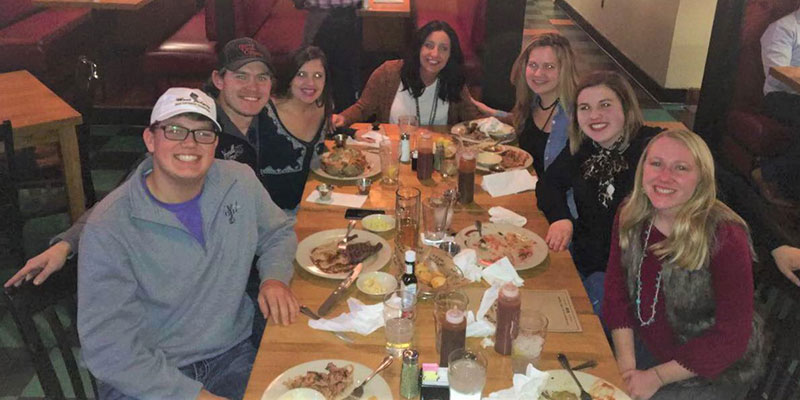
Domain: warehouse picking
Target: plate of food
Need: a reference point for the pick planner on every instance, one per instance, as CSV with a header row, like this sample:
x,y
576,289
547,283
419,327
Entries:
x,y
523,248
484,129
335,379
436,272
348,163
320,255
511,158
560,386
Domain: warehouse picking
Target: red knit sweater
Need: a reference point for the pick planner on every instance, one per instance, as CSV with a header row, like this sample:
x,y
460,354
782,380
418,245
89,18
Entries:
x,y
732,283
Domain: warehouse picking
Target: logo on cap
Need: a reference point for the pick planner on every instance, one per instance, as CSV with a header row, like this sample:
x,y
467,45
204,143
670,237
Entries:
x,y
249,49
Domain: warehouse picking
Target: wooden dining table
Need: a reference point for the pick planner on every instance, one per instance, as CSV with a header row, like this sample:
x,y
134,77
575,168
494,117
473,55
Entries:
x,y
38,116
789,75
95,4
283,347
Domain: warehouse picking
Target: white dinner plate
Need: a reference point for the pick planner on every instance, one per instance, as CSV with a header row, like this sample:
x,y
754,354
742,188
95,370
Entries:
x,y
373,168
507,132
372,263
526,165
468,238
376,387
561,381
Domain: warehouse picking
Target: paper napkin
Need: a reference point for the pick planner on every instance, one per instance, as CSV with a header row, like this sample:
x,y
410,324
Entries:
x,y
525,387
361,319
376,137
339,199
467,261
478,327
503,215
501,272
510,182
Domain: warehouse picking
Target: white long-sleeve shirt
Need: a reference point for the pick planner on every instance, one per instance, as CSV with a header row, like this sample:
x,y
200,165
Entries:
x,y
780,47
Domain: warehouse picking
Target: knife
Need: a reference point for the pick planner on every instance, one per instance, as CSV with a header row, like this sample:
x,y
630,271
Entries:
x,y
338,293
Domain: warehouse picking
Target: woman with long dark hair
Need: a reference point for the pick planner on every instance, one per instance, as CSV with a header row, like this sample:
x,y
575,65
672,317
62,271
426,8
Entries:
x,y
428,83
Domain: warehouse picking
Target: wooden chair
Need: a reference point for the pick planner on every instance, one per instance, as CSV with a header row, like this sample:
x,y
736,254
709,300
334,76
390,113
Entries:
x,y
11,240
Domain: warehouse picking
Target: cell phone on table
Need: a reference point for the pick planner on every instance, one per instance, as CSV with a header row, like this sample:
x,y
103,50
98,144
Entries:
x,y
358,213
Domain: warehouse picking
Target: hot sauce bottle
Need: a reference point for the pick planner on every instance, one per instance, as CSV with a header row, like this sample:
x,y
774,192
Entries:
x,y
454,334
509,305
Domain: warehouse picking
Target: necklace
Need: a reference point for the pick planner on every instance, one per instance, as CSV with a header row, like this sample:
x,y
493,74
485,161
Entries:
x,y
433,107
639,283
552,109
539,103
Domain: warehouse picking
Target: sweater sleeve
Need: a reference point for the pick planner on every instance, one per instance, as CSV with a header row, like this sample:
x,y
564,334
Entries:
x,y
277,241
551,191
616,303
369,101
108,316
721,345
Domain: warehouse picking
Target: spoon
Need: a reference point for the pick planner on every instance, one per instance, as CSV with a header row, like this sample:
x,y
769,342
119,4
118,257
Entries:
x,y
565,363
497,168
495,148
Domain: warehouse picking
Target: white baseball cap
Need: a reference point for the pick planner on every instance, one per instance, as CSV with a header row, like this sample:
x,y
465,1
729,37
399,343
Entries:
x,y
178,100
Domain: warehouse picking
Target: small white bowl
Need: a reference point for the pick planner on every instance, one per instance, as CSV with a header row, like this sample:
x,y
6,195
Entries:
x,y
378,223
488,159
302,394
376,283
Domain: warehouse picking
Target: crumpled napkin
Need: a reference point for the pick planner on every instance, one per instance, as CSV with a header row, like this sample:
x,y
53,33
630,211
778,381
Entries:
x,y
525,387
503,215
376,136
478,327
509,182
361,319
467,261
501,272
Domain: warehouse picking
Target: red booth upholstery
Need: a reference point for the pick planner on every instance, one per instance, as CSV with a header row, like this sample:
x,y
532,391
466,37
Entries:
x,y
191,51
750,134
44,41
468,19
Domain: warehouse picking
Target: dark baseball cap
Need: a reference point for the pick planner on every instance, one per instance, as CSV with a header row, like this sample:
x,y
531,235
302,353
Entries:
x,y
241,51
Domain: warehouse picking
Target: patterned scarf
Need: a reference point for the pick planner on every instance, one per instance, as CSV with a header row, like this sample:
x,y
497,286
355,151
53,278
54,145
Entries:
x,y
603,165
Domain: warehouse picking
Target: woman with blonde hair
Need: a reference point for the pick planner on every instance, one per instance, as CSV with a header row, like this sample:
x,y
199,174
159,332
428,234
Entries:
x,y
679,283
606,138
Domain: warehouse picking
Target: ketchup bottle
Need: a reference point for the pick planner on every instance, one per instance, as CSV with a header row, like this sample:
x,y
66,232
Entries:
x,y
454,334
509,305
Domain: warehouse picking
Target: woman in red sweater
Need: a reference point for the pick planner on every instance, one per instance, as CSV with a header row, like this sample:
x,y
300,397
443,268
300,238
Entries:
x,y
679,284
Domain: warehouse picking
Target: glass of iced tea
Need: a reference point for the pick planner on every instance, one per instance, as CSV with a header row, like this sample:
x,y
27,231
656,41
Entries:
x,y
407,211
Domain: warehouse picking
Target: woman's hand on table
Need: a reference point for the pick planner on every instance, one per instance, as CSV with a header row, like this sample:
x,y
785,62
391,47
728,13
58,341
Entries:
x,y
641,385
337,120
559,235
276,300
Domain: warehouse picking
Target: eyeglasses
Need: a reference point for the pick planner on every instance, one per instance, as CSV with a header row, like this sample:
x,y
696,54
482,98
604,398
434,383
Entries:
x,y
179,133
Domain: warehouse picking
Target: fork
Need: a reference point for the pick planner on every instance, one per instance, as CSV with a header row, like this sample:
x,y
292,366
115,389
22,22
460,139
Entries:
x,y
359,390
565,363
311,314
342,245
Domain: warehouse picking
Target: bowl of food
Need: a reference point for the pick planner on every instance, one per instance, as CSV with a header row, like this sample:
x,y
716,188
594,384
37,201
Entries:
x,y
376,283
488,159
378,223
302,394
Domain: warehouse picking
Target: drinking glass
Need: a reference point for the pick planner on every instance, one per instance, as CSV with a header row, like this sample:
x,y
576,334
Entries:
x,y
448,169
398,316
466,372
390,161
436,217
442,302
526,348
409,124
407,209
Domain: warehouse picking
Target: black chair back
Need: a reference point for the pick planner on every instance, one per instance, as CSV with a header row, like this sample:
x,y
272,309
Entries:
x,y
57,293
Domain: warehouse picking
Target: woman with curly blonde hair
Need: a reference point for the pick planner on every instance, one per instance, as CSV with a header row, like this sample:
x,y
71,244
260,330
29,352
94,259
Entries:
x,y
679,284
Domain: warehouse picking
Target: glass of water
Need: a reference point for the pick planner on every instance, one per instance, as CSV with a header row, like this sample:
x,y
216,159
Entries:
x,y
398,316
466,372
